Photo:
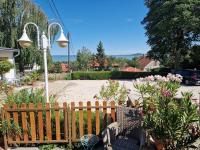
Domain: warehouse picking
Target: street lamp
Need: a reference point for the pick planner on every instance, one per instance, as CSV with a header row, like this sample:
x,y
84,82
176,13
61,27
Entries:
x,y
25,42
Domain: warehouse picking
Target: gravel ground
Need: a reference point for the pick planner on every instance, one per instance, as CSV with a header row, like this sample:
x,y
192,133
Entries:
x,y
85,90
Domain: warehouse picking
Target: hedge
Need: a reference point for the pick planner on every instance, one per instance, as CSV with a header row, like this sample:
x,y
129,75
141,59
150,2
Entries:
x,y
105,75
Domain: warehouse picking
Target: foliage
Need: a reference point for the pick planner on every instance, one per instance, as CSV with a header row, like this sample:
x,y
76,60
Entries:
x,y
100,56
113,91
35,76
91,75
173,29
31,78
13,16
48,147
105,75
133,63
10,128
172,121
5,88
83,58
28,96
55,68
121,62
68,76
5,67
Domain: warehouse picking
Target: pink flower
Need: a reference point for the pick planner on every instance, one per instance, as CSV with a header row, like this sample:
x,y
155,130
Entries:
x,y
166,93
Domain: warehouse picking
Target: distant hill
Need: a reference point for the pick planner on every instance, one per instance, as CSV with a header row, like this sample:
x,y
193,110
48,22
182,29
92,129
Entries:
x,y
137,54
73,57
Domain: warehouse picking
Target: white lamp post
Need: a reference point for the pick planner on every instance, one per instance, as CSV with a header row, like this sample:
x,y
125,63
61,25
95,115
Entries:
x,y
25,42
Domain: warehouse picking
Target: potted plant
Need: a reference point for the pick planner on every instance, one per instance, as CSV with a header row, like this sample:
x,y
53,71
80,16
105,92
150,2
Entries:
x,y
171,122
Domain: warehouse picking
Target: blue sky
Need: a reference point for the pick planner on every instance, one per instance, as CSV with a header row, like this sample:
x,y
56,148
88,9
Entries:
x,y
115,22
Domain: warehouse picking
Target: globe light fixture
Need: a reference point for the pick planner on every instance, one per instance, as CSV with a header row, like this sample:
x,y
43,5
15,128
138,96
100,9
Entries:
x,y
24,41
62,40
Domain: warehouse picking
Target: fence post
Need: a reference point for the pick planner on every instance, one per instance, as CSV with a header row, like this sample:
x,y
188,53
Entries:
x,y
65,120
104,114
24,123
32,121
73,121
81,131
16,120
40,123
112,111
97,118
57,119
69,125
3,119
48,122
89,117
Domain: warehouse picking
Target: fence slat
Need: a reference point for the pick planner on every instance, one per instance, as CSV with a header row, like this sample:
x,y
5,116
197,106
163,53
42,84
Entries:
x,y
112,111
40,123
24,124
65,111
7,117
104,114
89,118
32,121
81,131
73,113
16,121
57,119
97,118
69,125
48,122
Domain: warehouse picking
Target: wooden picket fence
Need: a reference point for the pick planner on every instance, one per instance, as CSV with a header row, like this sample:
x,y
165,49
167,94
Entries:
x,y
43,124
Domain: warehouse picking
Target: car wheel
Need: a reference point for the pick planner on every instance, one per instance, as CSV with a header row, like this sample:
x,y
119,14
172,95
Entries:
x,y
187,82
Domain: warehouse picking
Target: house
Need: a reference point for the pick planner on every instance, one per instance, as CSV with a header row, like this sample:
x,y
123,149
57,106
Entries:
x,y
9,54
147,64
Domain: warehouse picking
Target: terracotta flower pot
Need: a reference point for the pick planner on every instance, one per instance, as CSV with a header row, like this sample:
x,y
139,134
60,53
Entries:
x,y
159,145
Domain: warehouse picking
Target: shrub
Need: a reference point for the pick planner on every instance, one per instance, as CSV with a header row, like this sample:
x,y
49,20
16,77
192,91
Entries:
x,y
68,76
27,96
5,67
113,92
170,121
105,75
91,75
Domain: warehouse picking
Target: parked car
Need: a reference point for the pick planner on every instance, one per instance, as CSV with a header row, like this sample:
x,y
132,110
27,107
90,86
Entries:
x,y
190,77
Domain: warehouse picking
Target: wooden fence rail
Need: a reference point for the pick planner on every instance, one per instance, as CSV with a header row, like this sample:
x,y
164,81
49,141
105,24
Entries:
x,y
56,124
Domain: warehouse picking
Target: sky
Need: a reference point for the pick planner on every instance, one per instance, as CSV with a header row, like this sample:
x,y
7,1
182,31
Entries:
x,y
117,23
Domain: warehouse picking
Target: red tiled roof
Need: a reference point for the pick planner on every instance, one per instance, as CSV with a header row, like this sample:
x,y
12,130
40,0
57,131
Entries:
x,y
131,69
143,61
64,67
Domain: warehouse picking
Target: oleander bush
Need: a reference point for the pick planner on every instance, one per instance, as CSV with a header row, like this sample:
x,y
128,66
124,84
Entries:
x,y
171,122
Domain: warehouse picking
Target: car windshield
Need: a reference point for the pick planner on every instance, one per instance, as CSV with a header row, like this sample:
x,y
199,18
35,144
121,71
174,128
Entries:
x,y
197,73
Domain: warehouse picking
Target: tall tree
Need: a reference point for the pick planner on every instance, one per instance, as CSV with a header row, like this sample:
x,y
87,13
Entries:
x,y
172,26
14,14
84,56
101,57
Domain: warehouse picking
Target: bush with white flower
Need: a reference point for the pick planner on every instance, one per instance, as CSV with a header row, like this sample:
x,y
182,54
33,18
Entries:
x,y
167,119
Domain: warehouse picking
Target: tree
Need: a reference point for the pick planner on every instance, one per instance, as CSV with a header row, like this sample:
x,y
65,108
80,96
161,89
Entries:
x,y
133,62
101,57
84,56
14,14
172,26
5,67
